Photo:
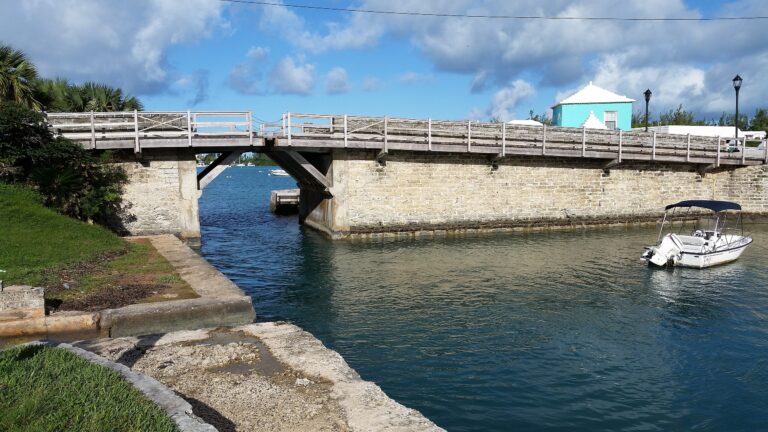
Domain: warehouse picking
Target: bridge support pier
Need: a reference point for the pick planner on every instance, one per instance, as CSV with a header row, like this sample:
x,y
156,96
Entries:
x,y
161,195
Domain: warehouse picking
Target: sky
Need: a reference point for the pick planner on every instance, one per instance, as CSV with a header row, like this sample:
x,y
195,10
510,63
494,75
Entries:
x,y
214,55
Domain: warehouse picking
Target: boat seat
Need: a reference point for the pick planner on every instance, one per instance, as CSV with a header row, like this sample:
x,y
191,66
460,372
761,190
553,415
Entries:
x,y
691,240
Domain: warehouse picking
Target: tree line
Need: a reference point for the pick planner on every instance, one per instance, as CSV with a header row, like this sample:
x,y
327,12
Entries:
x,y
21,84
680,116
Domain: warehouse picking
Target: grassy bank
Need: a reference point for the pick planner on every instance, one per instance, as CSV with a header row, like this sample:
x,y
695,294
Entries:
x,y
82,266
34,239
49,389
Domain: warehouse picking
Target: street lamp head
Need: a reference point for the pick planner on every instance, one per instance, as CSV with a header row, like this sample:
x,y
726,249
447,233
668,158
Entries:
x,y
647,94
737,82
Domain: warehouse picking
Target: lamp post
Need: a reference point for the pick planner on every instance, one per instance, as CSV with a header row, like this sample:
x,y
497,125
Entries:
x,y
736,85
647,94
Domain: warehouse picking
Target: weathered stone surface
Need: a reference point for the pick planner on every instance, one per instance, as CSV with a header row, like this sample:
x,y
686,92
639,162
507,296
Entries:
x,y
20,302
432,191
162,193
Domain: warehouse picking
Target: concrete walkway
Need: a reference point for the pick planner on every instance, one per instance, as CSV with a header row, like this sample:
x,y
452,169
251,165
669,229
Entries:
x,y
266,376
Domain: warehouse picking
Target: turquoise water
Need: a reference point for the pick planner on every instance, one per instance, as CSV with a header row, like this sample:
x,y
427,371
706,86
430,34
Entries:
x,y
540,331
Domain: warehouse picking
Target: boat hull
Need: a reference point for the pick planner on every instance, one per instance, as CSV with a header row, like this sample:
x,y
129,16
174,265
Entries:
x,y
704,260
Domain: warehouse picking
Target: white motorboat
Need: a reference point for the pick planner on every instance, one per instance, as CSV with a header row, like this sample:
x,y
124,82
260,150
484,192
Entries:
x,y
711,241
278,172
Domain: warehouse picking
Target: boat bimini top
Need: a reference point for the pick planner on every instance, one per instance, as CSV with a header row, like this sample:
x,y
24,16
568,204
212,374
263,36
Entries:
x,y
715,206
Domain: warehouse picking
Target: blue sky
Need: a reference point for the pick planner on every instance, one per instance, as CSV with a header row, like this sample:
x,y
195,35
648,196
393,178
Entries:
x,y
217,55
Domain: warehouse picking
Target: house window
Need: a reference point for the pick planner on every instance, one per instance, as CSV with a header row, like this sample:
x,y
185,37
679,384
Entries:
x,y
611,119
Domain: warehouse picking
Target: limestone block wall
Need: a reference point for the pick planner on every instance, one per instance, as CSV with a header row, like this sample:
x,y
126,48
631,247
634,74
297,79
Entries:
x,y
422,191
162,195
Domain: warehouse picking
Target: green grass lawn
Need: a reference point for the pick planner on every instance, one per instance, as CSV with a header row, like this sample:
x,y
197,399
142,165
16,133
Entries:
x,y
50,389
34,238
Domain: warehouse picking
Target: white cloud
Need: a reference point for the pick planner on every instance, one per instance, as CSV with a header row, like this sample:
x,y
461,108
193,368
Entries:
x,y
372,84
506,100
559,53
244,79
257,53
123,44
414,77
337,81
287,77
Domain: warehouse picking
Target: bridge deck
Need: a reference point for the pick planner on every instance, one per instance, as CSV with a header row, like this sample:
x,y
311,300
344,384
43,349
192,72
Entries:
x,y
212,131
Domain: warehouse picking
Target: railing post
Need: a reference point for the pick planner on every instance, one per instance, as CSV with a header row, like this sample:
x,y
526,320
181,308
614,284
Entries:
x,y
429,134
469,136
653,150
503,139
765,151
386,143
583,141
289,129
345,131
621,139
688,149
137,146
93,132
189,128
743,151
544,141
717,160
249,119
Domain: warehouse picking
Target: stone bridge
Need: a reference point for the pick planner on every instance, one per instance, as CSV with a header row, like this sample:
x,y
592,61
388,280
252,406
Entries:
x,y
364,176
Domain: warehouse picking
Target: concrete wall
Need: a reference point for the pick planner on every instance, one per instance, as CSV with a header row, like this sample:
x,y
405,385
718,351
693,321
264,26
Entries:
x,y
418,191
162,193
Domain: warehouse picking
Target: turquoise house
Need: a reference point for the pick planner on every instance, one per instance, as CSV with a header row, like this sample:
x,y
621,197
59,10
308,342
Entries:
x,y
612,110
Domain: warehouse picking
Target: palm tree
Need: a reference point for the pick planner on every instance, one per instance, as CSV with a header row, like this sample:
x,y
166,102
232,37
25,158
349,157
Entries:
x,y
17,77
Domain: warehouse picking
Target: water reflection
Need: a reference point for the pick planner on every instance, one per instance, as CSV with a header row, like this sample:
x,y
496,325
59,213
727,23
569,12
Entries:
x,y
554,331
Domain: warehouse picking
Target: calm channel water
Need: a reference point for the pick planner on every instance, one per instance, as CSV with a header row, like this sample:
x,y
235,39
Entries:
x,y
540,331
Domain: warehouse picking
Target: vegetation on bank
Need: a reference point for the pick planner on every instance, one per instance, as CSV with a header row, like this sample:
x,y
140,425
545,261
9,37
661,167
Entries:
x,y
82,266
51,389
36,239
76,182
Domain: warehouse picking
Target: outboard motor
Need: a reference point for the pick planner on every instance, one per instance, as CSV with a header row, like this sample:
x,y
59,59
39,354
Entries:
x,y
668,251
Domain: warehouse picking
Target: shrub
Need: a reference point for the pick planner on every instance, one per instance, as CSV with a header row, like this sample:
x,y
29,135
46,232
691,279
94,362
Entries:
x,y
77,182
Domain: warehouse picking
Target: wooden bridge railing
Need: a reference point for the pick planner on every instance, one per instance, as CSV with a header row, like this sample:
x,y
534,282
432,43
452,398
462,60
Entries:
x,y
208,130
141,125
502,139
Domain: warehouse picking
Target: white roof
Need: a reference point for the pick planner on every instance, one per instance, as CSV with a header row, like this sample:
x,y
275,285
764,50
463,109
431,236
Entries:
x,y
711,131
593,94
528,122
593,123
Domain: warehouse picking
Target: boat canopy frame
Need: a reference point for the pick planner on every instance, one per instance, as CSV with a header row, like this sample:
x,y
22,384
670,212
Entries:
x,y
719,217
